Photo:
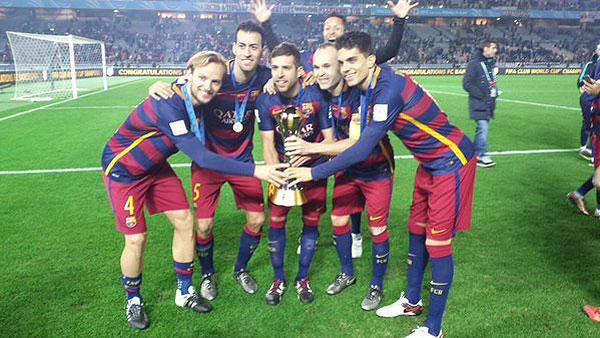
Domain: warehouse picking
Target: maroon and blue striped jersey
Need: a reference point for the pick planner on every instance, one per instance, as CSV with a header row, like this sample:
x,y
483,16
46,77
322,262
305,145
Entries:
x,y
401,105
380,162
153,132
219,115
311,103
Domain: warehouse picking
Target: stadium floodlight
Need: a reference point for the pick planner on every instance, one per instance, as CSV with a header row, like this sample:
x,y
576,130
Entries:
x,y
56,66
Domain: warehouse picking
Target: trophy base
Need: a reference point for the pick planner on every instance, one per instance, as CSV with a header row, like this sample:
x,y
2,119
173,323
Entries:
x,y
287,196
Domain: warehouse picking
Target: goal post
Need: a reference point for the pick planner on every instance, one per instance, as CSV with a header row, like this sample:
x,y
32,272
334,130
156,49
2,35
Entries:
x,y
56,66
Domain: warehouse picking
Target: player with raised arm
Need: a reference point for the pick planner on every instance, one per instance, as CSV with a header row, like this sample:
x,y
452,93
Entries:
x,y
228,122
370,181
334,26
137,174
308,101
443,190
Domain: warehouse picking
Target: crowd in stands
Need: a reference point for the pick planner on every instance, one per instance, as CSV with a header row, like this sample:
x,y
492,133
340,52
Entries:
x,y
575,5
156,41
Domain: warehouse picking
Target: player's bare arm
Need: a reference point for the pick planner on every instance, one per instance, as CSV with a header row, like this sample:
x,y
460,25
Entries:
x,y
269,152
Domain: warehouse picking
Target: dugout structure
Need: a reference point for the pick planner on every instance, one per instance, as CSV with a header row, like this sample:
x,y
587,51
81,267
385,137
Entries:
x,y
56,66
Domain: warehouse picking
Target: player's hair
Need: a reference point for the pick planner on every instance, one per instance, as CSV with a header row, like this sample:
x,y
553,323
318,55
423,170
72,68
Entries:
x,y
251,26
326,45
487,43
360,40
287,49
336,15
202,59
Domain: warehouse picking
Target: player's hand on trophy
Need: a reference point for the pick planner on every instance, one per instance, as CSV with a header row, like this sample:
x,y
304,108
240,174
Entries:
x,y
297,161
402,7
295,146
160,90
269,87
592,88
298,175
272,173
261,11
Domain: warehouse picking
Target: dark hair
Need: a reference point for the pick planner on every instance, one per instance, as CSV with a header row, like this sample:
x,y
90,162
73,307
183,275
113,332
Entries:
x,y
286,49
487,43
360,40
336,15
250,26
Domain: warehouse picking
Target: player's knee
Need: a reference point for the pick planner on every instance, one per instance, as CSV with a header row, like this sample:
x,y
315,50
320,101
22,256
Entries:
x,y
205,227
136,243
417,228
339,221
376,231
277,222
439,249
182,220
255,220
311,220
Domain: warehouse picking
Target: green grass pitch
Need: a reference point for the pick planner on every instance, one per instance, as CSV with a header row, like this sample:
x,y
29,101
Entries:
x,y
525,269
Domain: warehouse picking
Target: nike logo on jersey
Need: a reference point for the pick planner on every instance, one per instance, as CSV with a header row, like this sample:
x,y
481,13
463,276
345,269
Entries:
x,y
437,232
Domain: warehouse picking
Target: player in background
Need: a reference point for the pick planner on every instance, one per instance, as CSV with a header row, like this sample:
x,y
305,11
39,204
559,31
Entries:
x,y
585,101
291,94
370,181
443,191
592,87
589,102
334,26
137,174
228,121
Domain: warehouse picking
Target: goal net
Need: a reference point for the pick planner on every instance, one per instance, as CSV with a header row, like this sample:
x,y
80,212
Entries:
x,y
56,66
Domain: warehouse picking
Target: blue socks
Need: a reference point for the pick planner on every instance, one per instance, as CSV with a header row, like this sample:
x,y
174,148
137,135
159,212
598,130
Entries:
x,y
204,250
277,242
417,262
132,286
586,187
184,273
343,245
442,274
308,245
248,243
381,253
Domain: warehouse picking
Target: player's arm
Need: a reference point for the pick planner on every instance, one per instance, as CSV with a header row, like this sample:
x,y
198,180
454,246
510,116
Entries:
x,y
391,106
263,14
160,90
269,152
592,88
295,146
173,123
400,10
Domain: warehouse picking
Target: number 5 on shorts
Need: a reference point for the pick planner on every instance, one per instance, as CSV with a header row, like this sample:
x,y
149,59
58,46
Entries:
x,y
196,192
129,206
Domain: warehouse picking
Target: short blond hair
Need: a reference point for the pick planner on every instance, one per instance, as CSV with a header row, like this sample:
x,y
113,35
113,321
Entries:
x,y
202,59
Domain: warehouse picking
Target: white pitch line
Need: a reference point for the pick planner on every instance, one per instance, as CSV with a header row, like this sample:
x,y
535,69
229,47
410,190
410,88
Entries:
x,y
537,104
67,100
184,165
